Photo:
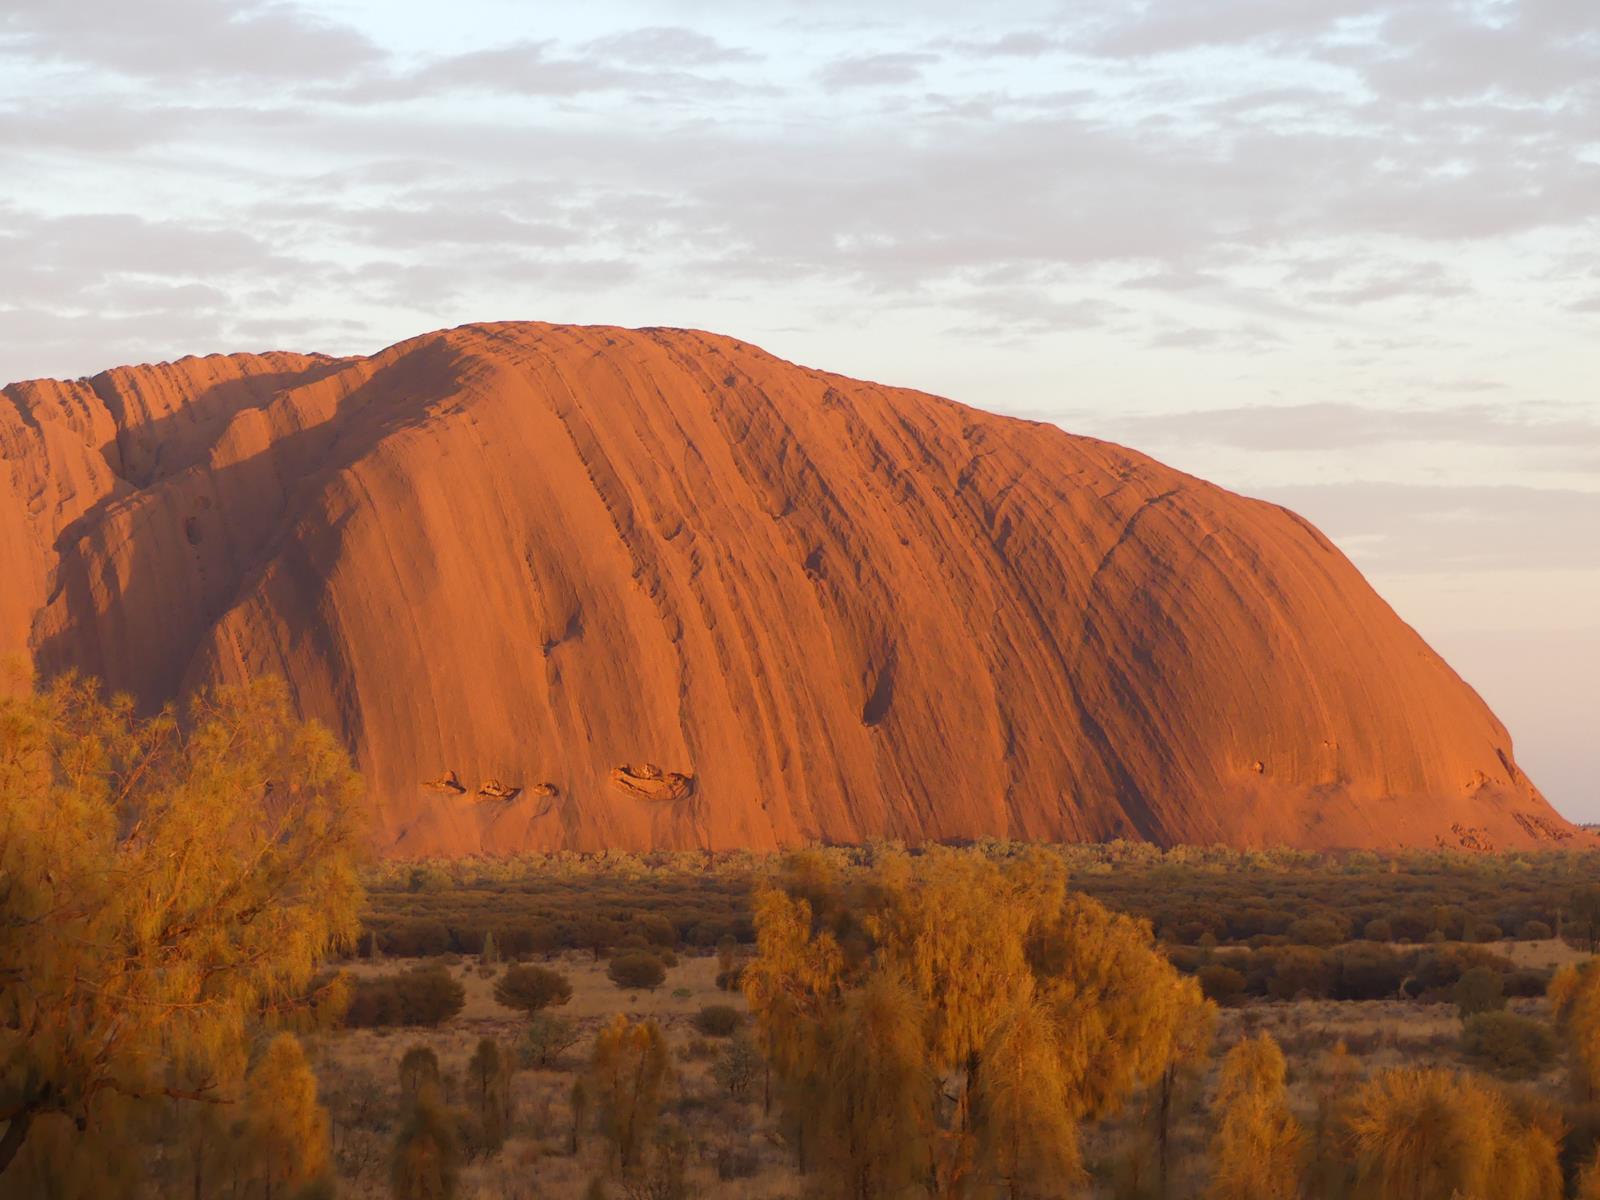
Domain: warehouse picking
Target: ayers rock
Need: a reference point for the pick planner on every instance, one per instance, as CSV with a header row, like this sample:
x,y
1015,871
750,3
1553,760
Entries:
x,y
601,588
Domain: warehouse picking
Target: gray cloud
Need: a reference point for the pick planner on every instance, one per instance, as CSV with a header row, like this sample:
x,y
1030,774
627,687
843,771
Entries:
x,y
186,39
1171,26
659,44
529,69
1390,282
1018,43
1253,203
1413,528
57,260
1342,426
875,70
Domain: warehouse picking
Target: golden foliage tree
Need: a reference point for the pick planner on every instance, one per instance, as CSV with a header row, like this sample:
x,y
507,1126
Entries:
x,y
165,882
1027,1138
1258,1152
1437,1135
285,1127
1575,1000
1124,1012
983,949
1336,1075
629,1071
957,928
877,1090
792,986
1190,1051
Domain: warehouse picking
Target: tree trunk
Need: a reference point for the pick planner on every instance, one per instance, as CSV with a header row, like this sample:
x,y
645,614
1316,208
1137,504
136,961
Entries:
x,y
1163,1120
11,1141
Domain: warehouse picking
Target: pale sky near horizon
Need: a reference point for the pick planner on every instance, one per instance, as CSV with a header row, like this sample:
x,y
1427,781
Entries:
x,y
1341,254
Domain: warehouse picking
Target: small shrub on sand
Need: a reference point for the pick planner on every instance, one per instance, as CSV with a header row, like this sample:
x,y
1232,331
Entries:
x,y
633,972
718,1020
532,989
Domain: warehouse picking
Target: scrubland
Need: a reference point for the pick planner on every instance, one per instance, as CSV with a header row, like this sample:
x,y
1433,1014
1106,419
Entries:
x,y
205,992
1311,941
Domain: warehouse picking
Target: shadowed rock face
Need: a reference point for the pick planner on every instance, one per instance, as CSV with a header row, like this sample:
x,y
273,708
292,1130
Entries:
x,y
803,607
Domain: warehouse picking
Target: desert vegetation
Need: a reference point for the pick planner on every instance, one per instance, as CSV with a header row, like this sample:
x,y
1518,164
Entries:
x,y
168,891
207,992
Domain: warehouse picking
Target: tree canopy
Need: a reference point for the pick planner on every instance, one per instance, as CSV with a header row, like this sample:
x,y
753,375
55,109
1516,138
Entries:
x,y
1033,1008
163,883
531,989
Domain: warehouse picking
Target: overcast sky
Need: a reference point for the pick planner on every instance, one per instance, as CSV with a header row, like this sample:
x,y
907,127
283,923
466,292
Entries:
x,y
1338,253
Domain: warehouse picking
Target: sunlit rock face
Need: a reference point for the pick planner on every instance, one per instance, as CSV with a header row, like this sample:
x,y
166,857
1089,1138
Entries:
x,y
600,588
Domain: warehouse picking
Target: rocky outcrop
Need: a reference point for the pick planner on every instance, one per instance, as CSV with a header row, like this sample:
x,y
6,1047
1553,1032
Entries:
x,y
449,782
850,610
646,781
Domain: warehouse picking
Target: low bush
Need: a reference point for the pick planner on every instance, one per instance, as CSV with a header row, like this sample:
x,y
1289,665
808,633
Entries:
x,y
1479,990
721,1020
698,1049
635,971
1187,959
1366,972
425,995
1508,1044
1220,983
1296,971
737,1163
1442,966
531,989
548,1037
1526,983
1323,929
740,1067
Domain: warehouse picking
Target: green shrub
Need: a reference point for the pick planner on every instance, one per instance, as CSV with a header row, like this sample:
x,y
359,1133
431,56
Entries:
x,y
1297,971
1220,983
1366,971
740,1066
634,971
1508,1044
1188,959
531,989
1441,967
1479,990
1320,930
720,1020
1526,983
657,930
548,1037
425,995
